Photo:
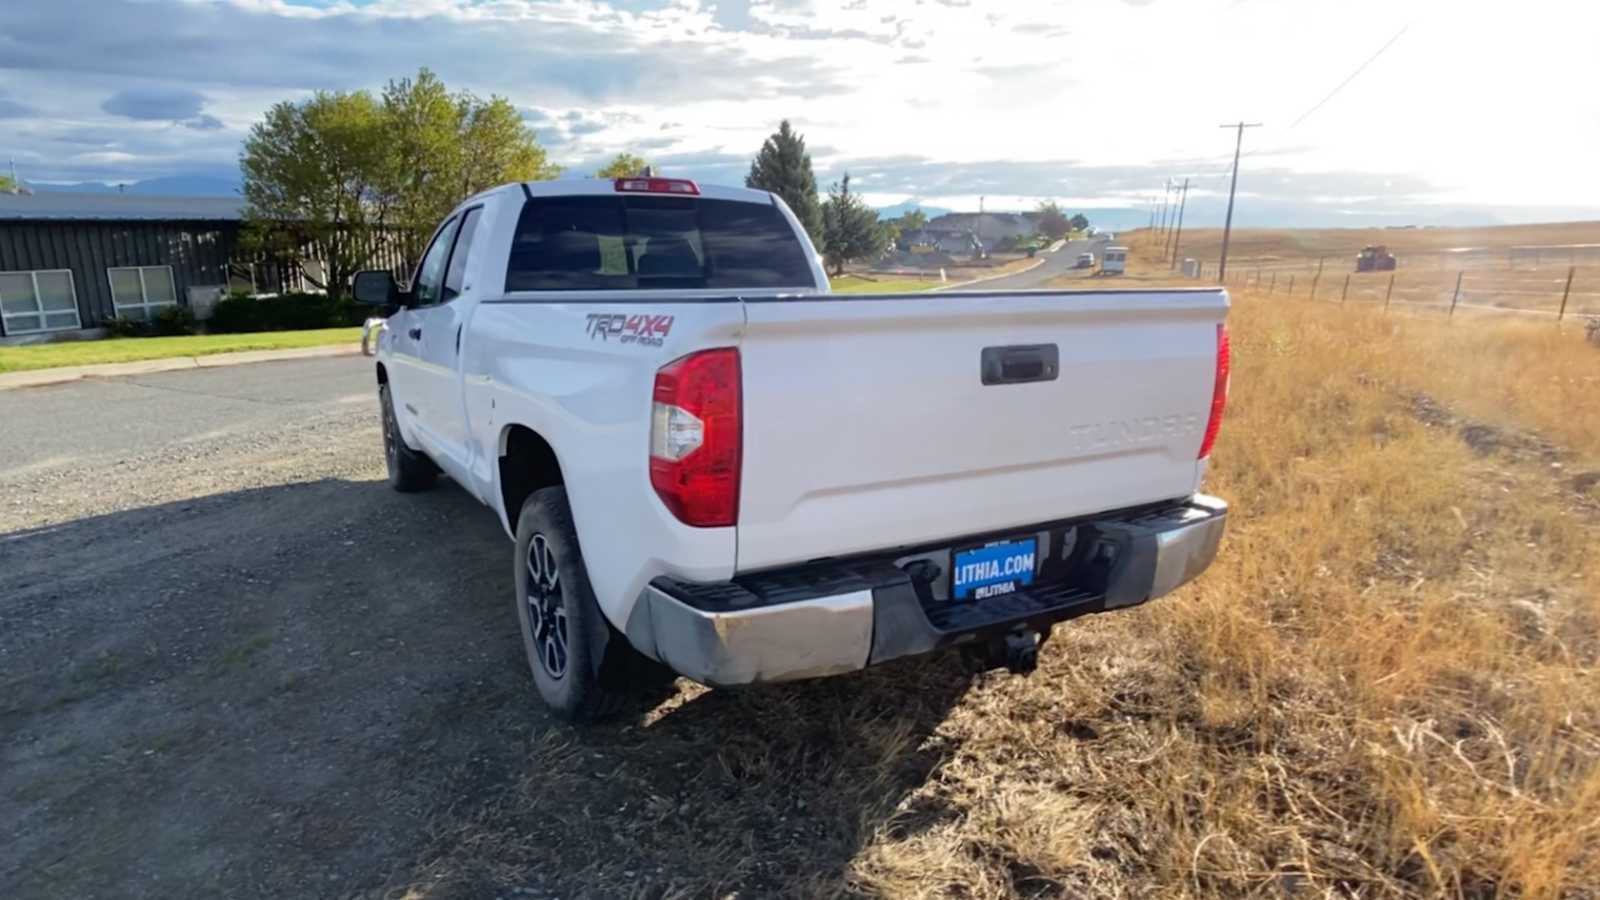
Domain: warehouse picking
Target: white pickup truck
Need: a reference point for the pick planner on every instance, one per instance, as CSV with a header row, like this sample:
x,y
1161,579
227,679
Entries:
x,y
709,462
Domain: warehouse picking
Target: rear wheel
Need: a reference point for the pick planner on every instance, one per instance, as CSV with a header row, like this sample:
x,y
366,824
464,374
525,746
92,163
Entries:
x,y
583,668
409,471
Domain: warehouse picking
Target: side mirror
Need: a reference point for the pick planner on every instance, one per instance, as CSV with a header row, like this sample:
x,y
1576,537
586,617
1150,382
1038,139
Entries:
x,y
376,287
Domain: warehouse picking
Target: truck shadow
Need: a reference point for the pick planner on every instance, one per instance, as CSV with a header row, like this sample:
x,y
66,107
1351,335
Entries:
x,y
765,791
319,688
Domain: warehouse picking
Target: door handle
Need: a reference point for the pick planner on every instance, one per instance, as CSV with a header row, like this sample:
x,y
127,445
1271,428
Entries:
x,y
416,334
1020,364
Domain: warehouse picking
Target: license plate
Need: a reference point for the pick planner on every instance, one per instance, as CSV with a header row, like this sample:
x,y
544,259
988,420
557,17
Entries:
x,y
998,568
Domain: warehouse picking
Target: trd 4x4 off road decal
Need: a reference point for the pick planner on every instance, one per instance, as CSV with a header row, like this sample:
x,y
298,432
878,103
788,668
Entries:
x,y
647,330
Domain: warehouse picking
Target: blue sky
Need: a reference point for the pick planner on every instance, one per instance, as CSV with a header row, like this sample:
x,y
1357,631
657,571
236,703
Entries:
x,y
1475,113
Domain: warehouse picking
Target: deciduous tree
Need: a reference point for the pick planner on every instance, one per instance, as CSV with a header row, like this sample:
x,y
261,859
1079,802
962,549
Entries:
x,y
914,220
337,174
312,178
622,165
1053,223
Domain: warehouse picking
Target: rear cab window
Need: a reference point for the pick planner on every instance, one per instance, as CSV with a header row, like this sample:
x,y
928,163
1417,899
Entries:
x,y
607,243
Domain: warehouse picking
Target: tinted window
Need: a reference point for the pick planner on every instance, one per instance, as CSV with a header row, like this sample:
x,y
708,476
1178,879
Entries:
x,y
622,243
430,272
458,256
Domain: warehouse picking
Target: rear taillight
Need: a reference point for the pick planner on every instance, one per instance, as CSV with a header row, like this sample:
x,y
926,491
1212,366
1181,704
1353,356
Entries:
x,y
650,185
1219,392
695,437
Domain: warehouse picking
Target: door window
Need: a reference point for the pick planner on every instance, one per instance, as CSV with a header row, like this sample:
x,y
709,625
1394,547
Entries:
x,y
429,282
457,271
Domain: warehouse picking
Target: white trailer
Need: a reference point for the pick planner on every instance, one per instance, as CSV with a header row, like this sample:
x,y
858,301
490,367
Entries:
x,y
1114,261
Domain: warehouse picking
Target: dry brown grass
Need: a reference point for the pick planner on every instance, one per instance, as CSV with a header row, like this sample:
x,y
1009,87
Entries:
x,y
1387,686
1501,271
1263,244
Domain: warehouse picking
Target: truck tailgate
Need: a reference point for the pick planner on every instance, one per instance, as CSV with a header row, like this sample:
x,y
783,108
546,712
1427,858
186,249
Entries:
x,y
868,423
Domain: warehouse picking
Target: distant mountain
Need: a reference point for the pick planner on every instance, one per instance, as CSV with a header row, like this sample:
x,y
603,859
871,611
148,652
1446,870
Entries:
x,y
900,209
169,186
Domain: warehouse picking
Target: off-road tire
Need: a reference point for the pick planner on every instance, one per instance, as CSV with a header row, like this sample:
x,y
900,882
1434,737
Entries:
x,y
600,671
409,471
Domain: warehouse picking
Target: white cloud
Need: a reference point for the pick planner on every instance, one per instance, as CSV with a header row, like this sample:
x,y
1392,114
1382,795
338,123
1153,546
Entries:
x,y
1094,101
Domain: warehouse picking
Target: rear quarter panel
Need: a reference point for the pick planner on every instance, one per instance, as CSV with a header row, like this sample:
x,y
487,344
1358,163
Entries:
x,y
575,374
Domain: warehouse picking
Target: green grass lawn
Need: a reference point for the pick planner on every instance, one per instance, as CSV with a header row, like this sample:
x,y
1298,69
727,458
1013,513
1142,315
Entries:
x,y
861,284
115,350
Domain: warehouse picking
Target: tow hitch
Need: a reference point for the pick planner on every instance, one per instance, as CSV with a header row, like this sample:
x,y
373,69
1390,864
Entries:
x,y
1017,651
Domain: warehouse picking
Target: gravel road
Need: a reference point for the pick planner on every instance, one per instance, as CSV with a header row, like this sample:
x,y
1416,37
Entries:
x,y
234,663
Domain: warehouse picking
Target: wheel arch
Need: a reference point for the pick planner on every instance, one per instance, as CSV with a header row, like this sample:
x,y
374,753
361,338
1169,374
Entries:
x,y
526,463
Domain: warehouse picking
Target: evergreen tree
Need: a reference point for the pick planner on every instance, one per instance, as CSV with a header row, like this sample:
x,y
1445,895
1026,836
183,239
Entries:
x,y
851,230
784,167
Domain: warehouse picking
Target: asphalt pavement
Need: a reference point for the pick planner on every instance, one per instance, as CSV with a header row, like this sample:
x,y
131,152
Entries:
x,y
67,426
1055,265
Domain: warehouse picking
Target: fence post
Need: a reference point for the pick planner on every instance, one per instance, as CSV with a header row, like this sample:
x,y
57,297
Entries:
x,y
1345,294
1457,295
1387,294
1316,278
1567,292
1273,284
1291,285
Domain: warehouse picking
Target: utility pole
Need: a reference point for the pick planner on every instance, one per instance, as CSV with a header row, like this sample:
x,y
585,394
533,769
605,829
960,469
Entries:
x,y
980,226
1227,227
1166,196
1177,234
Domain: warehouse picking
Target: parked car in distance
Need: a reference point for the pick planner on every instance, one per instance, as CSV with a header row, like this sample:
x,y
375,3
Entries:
x,y
709,465
1085,261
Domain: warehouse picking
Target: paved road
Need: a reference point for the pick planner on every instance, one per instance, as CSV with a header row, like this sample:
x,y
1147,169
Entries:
x,y
65,426
1055,265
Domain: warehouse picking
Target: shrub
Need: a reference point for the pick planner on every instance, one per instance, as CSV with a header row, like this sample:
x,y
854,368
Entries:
x,y
120,327
233,314
172,320
284,312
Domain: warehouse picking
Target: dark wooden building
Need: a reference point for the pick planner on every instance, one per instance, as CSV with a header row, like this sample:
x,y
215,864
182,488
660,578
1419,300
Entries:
x,y
70,262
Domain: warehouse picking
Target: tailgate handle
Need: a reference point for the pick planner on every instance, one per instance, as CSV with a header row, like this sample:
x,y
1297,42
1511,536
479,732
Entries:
x,y
1021,364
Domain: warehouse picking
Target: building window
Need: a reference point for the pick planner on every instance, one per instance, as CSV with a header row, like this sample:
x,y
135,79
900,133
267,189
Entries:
x,y
45,300
139,291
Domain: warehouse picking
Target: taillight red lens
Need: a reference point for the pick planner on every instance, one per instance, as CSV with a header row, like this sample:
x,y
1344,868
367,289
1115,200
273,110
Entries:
x,y
696,437
1219,392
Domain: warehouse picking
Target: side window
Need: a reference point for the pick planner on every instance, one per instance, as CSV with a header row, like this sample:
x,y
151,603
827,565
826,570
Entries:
x,y
430,272
458,257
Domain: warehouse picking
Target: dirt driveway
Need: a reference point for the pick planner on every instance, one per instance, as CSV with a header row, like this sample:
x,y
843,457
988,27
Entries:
x,y
233,663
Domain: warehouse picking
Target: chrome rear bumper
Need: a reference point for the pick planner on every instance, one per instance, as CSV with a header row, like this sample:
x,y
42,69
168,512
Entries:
x,y
839,616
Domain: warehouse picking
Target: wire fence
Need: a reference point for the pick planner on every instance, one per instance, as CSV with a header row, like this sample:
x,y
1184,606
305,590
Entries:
x,y
1516,286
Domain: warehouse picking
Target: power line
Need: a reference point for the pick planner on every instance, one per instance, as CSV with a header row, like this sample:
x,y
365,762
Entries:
x,y
1370,60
